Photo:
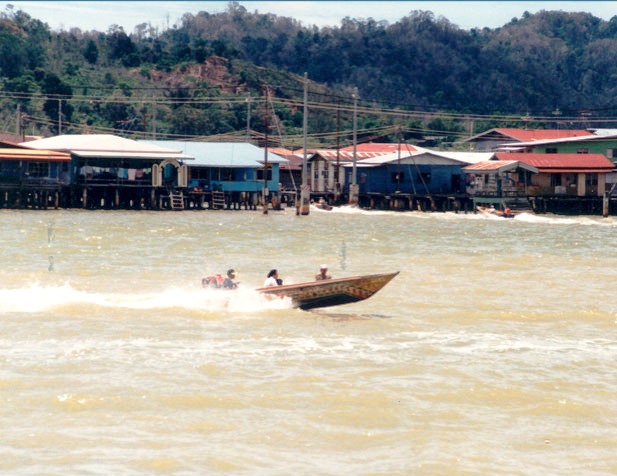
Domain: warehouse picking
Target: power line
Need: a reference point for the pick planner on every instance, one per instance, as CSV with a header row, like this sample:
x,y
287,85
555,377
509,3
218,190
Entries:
x,y
291,102
368,109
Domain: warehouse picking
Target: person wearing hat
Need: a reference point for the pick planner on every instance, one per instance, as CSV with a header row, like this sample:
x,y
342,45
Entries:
x,y
229,282
323,273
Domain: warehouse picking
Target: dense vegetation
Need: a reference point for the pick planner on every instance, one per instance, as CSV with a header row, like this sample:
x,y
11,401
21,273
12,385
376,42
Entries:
x,y
222,74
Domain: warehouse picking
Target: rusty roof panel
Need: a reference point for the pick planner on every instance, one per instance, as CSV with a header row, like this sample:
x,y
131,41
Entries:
x,y
588,162
498,166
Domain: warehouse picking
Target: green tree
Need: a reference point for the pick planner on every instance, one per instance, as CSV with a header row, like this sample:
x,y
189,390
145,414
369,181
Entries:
x,y
91,52
52,85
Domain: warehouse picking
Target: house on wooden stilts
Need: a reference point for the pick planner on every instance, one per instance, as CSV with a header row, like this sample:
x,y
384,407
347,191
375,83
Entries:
x,y
229,175
108,171
32,178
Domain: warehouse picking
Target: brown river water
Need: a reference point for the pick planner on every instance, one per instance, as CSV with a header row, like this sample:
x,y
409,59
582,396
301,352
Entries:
x,y
493,351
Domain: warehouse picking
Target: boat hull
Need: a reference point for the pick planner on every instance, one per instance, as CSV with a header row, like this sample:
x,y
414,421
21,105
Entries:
x,y
494,212
331,292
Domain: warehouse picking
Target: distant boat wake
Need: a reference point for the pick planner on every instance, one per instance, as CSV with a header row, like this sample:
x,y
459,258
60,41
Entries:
x,y
546,219
38,298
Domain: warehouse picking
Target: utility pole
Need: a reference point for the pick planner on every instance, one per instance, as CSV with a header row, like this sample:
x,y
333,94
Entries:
x,y
557,113
265,187
18,122
305,193
398,164
146,116
353,187
59,116
337,182
154,119
248,118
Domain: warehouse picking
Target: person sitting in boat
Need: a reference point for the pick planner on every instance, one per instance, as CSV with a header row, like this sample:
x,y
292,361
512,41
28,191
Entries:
x,y
273,279
214,281
323,273
322,204
230,281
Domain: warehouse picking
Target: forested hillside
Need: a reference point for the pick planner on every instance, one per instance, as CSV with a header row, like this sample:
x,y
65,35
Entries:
x,y
238,73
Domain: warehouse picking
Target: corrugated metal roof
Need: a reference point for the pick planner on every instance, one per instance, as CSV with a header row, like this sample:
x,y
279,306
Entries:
x,y
380,147
528,135
563,140
222,154
343,155
281,151
466,157
494,166
93,154
389,157
553,162
98,143
525,135
293,162
33,155
420,155
605,132
385,153
14,139
491,165
574,171
7,144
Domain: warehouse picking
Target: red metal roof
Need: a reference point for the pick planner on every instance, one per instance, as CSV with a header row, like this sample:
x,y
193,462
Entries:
x,y
344,154
561,162
293,162
281,151
528,135
380,147
572,171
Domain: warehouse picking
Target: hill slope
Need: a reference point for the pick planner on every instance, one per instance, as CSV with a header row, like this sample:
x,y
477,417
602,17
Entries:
x,y
211,75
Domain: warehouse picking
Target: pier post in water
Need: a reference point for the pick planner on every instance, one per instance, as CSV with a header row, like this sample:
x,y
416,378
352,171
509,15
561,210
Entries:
x,y
605,205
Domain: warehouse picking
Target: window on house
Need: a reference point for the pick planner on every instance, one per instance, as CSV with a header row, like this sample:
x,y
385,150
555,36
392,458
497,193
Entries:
x,y
611,153
424,177
551,150
38,169
260,174
555,180
9,170
398,177
200,173
582,150
225,174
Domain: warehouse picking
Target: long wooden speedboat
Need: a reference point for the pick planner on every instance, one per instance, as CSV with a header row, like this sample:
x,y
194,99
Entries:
x,y
506,213
331,292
